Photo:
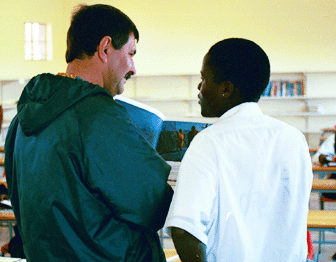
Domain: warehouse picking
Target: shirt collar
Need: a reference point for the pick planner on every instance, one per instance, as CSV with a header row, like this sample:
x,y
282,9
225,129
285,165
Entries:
x,y
244,109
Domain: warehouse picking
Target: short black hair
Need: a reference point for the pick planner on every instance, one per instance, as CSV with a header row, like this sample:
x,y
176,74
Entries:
x,y
242,62
90,24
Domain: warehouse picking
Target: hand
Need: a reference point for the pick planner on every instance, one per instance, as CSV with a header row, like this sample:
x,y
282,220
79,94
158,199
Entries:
x,y
4,249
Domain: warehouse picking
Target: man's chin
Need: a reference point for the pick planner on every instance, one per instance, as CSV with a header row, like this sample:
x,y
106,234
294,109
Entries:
x,y
120,87
120,90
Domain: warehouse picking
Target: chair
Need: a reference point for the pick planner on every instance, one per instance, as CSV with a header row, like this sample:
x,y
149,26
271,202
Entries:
x,y
310,243
325,197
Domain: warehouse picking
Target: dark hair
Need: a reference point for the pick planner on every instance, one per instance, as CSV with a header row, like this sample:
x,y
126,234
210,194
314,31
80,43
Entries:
x,y
243,63
90,24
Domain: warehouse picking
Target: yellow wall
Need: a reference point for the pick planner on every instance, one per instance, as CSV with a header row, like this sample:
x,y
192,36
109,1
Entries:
x,y
14,13
298,35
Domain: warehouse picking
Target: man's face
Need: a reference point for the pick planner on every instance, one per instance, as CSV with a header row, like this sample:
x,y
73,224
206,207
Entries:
x,y
210,95
120,67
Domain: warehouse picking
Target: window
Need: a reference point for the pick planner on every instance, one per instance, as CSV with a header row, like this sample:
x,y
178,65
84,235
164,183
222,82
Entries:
x,y
38,44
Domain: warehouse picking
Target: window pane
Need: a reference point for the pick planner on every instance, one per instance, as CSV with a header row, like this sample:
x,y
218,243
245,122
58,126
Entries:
x,y
28,31
42,33
42,49
35,32
36,55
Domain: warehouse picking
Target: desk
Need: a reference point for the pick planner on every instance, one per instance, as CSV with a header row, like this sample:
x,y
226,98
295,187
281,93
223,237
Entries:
x,y
321,170
321,221
323,186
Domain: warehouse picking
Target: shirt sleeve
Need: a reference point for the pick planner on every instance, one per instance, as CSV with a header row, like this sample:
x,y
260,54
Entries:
x,y
125,171
195,197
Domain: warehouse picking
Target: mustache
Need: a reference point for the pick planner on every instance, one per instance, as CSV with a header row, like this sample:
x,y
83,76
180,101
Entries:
x,y
128,76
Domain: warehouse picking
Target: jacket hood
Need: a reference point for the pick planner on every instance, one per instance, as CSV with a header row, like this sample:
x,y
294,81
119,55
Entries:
x,y
46,96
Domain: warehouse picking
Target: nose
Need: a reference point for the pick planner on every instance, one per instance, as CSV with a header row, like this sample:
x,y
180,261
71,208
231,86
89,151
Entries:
x,y
199,86
133,70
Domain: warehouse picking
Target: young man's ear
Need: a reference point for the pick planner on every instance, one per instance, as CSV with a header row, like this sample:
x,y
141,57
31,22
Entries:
x,y
104,47
227,89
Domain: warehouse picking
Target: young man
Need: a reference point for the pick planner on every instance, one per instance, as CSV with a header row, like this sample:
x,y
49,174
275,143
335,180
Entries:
x,y
85,185
244,183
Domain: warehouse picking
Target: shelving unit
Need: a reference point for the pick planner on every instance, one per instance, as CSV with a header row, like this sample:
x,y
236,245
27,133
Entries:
x,y
309,114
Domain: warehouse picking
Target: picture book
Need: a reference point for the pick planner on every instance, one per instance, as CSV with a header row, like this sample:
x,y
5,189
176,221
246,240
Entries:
x,y
169,136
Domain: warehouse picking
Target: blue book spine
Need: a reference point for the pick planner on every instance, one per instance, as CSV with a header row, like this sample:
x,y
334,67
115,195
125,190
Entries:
x,y
267,90
289,89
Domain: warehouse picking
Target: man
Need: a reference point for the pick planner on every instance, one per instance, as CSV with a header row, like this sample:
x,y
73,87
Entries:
x,y
180,140
326,151
191,134
244,183
85,185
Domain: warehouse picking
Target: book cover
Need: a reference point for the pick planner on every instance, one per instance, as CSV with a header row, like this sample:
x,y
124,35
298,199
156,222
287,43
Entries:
x,y
169,136
148,119
177,134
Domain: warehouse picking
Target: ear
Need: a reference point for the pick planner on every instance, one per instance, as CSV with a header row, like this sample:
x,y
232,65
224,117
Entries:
x,y
227,89
104,47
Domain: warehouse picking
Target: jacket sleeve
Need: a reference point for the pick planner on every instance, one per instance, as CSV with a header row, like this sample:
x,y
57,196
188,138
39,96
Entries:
x,y
124,170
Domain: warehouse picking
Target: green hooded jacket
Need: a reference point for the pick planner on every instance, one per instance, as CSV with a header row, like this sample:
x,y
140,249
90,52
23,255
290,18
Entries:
x,y
85,185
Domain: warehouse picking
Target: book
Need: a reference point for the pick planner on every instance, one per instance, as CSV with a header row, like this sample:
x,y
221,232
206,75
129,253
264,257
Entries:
x,y
267,90
169,136
290,89
284,88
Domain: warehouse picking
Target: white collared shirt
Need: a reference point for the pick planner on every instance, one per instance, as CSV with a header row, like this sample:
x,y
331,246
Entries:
x,y
243,189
